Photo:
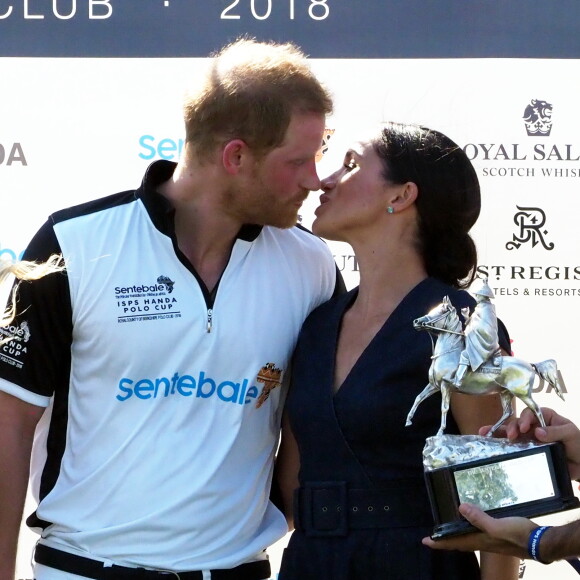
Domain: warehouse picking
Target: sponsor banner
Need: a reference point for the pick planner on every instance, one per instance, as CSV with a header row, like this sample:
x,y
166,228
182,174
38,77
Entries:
x,y
74,129
372,29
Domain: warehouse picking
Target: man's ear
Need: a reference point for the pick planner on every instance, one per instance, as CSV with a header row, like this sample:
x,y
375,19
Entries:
x,y
234,153
405,196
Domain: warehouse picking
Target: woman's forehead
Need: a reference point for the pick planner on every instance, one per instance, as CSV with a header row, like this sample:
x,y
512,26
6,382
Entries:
x,y
361,147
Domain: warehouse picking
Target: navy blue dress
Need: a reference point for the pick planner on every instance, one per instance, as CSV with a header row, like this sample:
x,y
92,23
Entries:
x,y
362,507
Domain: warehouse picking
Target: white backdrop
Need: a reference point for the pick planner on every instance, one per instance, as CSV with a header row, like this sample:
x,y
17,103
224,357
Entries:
x,y
73,129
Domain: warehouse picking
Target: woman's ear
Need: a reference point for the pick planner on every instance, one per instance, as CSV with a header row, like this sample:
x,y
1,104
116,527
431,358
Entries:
x,y
233,154
404,197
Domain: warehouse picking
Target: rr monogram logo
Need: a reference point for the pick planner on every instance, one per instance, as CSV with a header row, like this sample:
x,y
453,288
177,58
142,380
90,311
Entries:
x,y
530,220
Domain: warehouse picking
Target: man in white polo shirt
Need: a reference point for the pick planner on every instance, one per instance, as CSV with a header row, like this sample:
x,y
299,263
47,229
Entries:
x,y
155,367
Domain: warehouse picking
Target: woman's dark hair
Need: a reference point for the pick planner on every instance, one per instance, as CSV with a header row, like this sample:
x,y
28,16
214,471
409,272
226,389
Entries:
x,y
449,198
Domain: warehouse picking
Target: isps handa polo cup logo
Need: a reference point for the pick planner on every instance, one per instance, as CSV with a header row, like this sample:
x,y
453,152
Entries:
x,y
13,343
147,301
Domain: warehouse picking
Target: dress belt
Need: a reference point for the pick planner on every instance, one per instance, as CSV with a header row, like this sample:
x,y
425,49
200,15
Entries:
x,y
66,562
332,508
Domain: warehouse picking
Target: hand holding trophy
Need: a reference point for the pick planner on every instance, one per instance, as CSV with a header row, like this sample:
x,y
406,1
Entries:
x,y
501,477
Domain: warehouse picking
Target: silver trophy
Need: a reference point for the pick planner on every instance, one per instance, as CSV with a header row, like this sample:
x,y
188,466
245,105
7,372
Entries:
x,y
503,478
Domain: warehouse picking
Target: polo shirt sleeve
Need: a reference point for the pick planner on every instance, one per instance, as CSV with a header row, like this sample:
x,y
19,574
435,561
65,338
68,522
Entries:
x,y
36,362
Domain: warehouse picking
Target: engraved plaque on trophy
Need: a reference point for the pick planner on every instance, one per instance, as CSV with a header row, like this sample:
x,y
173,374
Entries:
x,y
515,480
501,477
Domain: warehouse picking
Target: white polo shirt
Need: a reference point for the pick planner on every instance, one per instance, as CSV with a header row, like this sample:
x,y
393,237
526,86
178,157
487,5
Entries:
x,y
154,450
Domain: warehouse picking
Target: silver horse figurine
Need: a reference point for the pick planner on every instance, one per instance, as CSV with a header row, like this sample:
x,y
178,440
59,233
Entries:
x,y
506,375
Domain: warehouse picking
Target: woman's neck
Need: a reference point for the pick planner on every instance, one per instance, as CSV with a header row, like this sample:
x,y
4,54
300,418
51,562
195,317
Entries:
x,y
386,277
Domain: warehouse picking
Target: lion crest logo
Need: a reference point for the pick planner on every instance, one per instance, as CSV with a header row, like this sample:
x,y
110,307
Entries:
x,y
538,118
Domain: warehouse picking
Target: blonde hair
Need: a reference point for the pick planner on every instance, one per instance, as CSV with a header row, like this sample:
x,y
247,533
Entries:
x,y
24,271
250,92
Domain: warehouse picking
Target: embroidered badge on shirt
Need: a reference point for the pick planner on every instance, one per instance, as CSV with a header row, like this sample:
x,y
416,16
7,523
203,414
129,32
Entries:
x,y
272,378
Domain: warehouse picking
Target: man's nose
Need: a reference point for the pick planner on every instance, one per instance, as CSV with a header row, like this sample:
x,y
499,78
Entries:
x,y
311,180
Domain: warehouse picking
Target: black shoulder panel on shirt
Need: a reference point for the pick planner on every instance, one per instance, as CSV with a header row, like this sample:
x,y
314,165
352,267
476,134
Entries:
x,y
43,245
93,206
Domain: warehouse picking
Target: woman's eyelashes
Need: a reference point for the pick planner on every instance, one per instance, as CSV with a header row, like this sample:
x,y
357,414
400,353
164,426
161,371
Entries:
x,y
350,164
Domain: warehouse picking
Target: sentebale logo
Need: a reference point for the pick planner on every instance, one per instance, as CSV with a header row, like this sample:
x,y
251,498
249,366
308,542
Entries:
x,y
186,385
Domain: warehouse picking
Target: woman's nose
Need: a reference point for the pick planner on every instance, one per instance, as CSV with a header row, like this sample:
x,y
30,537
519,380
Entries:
x,y
328,182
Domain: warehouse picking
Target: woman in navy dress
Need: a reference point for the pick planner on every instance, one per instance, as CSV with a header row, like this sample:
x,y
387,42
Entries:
x,y
350,471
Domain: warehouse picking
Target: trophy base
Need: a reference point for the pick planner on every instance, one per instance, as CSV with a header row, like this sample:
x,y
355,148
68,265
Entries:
x,y
542,509
528,483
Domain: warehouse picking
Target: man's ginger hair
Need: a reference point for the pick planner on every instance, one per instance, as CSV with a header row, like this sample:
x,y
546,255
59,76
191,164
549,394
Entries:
x,y
250,92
